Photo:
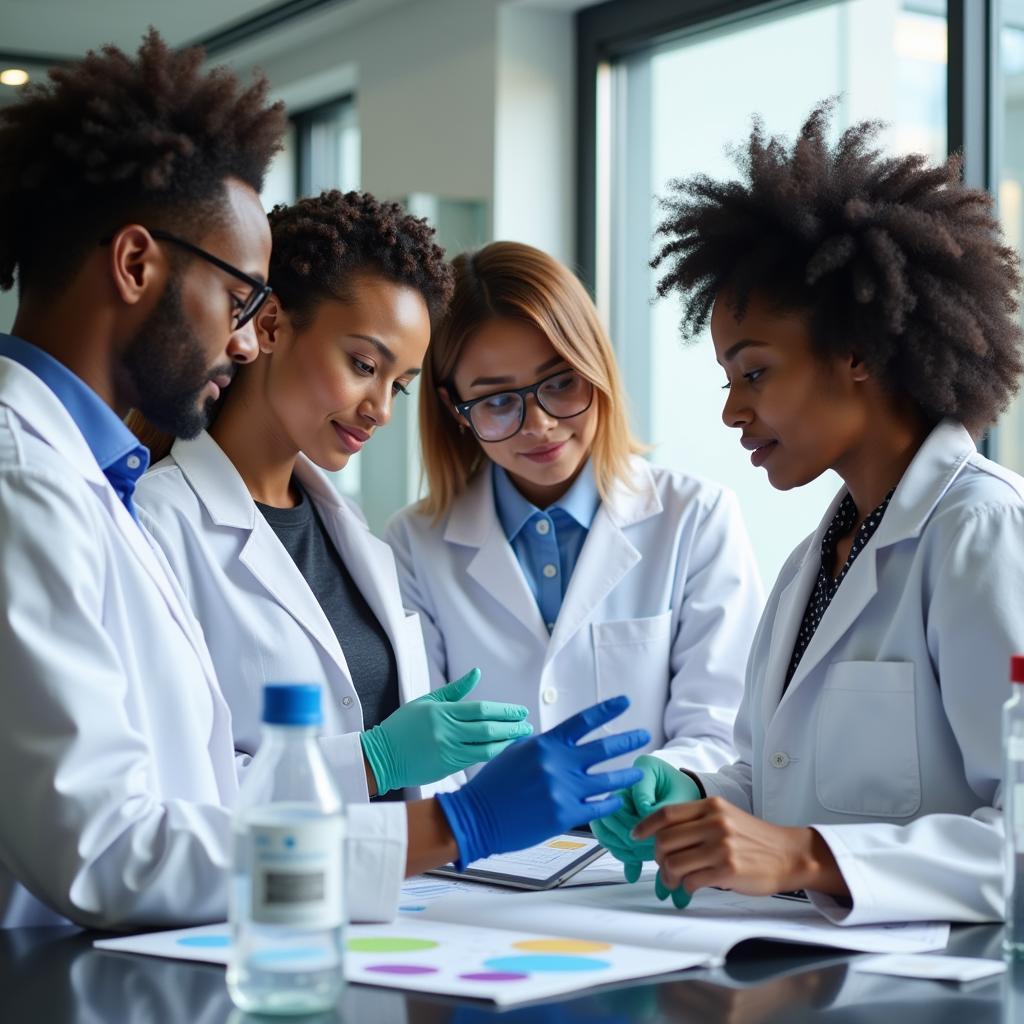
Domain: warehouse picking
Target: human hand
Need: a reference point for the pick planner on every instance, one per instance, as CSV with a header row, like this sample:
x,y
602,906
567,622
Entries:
x,y
661,784
542,786
712,842
440,733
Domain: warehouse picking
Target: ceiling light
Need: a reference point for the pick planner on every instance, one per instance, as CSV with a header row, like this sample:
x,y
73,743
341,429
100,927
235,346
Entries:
x,y
13,76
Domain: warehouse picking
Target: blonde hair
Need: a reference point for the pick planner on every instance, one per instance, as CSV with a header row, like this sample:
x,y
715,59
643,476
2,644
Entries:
x,y
509,279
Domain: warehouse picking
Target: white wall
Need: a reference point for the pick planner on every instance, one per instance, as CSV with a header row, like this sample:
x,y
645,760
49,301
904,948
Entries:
x,y
535,130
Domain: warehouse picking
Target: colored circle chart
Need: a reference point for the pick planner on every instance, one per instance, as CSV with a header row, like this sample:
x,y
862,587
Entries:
x,y
205,941
406,969
562,946
389,944
494,976
540,962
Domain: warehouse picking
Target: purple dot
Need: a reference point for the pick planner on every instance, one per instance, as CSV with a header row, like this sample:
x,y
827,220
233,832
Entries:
x,y
401,969
494,976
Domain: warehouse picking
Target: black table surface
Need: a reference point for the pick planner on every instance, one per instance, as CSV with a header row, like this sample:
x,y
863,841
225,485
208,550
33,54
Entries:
x,y
55,976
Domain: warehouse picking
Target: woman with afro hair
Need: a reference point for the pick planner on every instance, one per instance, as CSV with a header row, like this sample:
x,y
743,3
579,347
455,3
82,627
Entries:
x,y
280,569
863,309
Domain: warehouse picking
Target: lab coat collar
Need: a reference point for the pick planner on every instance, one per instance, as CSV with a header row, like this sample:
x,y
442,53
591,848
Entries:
x,y
630,501
605,558
935,466
216,482
220,488
473,522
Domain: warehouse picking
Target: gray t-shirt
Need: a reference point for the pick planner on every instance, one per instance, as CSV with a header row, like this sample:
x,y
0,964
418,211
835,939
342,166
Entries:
x,y
368,651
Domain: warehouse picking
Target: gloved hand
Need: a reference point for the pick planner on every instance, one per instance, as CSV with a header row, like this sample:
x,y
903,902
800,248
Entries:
x,y
660,784
540,787
440,733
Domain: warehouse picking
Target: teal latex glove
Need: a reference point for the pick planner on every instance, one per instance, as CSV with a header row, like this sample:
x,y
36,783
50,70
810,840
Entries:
x,y
660,785
440,733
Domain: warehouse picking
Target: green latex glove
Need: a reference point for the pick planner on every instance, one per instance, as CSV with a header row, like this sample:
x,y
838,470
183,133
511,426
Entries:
x,y
440,733
661,784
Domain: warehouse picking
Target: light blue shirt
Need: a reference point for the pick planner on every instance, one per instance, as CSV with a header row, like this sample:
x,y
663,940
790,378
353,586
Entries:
x,y
116,449
547,542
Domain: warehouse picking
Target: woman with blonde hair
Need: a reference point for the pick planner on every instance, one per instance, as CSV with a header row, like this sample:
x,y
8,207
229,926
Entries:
x,y
546,550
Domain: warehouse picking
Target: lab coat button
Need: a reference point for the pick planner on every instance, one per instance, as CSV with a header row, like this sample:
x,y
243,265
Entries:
x,y
550,695
779,759
550,570
543,526
346,702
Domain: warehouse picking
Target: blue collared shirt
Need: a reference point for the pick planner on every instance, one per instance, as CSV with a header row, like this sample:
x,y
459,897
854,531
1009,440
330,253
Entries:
x,y
116,449
547,543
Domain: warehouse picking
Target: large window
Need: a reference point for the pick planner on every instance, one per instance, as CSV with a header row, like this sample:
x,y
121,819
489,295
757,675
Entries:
x,y
671,110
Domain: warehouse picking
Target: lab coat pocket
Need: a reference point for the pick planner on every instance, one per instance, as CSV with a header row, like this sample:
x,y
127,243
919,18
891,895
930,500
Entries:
x,y
866,758
631,656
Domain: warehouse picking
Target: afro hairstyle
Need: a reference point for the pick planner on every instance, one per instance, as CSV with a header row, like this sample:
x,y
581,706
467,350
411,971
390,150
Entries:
x,y
321,243
891,258
113,139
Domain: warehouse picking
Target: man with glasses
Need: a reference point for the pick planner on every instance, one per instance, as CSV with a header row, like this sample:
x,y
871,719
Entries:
x,y
130,216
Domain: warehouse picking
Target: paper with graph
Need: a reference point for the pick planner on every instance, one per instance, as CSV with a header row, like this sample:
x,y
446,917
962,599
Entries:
x,y
549,943
502,966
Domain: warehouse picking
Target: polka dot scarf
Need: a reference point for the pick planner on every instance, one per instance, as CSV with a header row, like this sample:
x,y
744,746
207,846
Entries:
x,y
825,588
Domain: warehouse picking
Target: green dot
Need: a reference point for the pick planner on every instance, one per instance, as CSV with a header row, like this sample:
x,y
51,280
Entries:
x,y
389,945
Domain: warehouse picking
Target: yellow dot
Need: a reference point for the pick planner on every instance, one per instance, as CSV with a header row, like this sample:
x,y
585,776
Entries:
x,y
562,946
13,76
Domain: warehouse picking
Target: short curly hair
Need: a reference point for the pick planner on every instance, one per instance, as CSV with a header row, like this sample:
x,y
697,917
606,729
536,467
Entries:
x,y
892,258
112,139
322,242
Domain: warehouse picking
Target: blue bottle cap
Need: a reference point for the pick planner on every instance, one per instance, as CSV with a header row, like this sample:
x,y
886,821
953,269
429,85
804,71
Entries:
x,y
292,704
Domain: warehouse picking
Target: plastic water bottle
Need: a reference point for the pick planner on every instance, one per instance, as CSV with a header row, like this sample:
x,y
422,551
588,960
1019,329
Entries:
x,y
286,898
1013,810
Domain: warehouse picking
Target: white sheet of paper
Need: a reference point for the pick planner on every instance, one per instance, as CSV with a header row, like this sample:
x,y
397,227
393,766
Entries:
x,y
429,956
939,968
712,924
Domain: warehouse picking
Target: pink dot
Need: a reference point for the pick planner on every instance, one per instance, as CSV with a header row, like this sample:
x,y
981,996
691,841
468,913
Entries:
x,y
494,976
401,969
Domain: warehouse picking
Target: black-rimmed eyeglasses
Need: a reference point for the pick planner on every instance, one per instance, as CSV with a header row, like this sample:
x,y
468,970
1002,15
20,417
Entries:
x,y
260,291
499,416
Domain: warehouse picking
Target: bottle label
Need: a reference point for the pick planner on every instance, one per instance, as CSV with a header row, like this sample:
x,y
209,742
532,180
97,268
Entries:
x,y
297,873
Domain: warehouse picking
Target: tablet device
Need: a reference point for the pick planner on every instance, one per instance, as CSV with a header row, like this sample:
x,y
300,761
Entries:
x,y
538,867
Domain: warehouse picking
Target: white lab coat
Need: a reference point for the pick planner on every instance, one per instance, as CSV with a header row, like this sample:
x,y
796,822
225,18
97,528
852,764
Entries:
x,y
262,621
661,606
887,740
117,769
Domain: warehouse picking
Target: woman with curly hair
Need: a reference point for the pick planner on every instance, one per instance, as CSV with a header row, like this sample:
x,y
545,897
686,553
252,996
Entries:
x,y
863,309
281,570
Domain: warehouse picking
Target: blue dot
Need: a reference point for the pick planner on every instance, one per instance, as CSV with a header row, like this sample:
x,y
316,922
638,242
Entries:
x,y
205,941
546,963
412,909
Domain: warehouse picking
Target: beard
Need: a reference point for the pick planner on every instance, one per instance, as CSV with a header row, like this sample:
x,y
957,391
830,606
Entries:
x,y
166,365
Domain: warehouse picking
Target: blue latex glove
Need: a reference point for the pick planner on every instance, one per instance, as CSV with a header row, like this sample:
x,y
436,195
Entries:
x,y
540,787
661,784
440,733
